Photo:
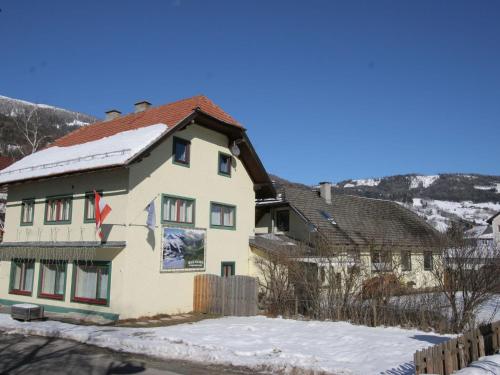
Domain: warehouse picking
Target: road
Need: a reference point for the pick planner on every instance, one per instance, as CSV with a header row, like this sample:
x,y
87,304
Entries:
x,y
44,355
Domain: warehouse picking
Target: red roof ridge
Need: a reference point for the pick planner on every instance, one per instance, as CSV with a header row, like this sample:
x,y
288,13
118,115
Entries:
x,y
169,114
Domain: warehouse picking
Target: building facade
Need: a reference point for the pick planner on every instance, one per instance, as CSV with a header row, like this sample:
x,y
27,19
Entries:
x,y
335,232
198,176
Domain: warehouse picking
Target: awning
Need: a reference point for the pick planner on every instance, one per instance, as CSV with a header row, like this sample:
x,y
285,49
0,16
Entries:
x,y
74,250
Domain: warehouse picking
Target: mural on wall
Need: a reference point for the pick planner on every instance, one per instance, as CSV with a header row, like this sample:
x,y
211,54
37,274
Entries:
x,y
183,249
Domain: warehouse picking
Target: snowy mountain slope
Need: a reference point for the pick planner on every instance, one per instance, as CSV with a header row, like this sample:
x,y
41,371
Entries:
x,y
441,214
11,107
49,122
441,199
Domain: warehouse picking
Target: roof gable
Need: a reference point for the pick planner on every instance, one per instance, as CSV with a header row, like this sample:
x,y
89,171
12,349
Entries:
x,y
54,160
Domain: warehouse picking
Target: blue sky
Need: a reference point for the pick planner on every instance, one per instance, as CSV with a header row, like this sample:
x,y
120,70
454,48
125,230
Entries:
x,y
328,90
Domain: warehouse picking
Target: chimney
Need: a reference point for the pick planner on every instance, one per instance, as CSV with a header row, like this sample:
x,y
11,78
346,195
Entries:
x,y
141,106
325,191
112,114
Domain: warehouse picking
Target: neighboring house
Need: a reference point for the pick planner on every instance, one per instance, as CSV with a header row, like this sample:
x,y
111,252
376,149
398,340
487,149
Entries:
x,y
494,221
379,234
483,234
4,163
190,158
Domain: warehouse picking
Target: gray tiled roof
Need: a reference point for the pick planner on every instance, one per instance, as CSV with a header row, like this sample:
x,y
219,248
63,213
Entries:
x,y
361,221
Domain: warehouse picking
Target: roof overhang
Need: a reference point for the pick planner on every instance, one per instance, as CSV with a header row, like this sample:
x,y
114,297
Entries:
x,y
63,244
58,251
490,220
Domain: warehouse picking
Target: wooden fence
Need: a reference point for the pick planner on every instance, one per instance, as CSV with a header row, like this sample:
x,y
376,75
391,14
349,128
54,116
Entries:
x,y
455,354
232,295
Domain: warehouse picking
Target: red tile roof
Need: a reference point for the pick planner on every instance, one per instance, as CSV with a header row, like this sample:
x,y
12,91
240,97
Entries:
x,y
5,161
169,114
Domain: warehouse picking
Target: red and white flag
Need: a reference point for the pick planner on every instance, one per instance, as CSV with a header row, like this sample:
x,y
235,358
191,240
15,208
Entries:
x,y
102,210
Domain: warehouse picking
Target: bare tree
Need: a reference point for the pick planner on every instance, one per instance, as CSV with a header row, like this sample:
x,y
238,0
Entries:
x,y
29,124
468,275
342,283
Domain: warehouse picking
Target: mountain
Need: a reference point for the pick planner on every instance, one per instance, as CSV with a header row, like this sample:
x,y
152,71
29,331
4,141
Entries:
x,y
26,126
468,199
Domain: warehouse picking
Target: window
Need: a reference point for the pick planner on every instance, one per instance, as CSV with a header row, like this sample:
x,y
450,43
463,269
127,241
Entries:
x,y
222,216
21,276
225,164
283,220
381,261
322,274
178,210
27,211
58,210
181,150
406,260
91,282
89,210
428,260
227,269
52,280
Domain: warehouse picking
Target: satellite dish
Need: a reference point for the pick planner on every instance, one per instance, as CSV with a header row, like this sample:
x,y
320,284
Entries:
x,y
235,150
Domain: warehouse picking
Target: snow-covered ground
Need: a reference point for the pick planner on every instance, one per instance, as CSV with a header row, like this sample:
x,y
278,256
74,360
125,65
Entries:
x,y
438,212
489,365
278,345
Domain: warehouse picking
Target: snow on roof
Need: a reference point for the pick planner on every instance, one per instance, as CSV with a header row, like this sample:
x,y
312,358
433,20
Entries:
x,y
114,150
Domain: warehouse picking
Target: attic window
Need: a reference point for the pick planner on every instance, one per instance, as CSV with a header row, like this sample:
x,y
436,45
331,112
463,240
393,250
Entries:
x,y
328,217
181,151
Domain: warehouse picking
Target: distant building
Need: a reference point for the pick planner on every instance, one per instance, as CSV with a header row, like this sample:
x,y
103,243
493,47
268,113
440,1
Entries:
x,y
494,221
382,235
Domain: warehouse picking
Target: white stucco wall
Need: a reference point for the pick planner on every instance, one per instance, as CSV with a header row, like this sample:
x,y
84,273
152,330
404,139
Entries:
x,y
138,287
496,229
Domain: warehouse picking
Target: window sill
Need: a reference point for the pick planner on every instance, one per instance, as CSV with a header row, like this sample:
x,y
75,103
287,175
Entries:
x,y
90,301
66,222
52,296
21,292
222,227
177,224
180,163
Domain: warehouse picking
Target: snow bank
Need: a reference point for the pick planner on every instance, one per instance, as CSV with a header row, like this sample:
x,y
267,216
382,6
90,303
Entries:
x,y
489,365
256,342
117,149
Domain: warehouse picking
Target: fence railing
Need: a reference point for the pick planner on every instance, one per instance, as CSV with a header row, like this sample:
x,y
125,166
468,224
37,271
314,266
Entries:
x,y
457,353
232,295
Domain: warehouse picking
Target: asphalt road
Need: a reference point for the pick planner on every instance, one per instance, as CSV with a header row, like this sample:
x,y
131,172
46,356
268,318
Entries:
x,y
44,355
